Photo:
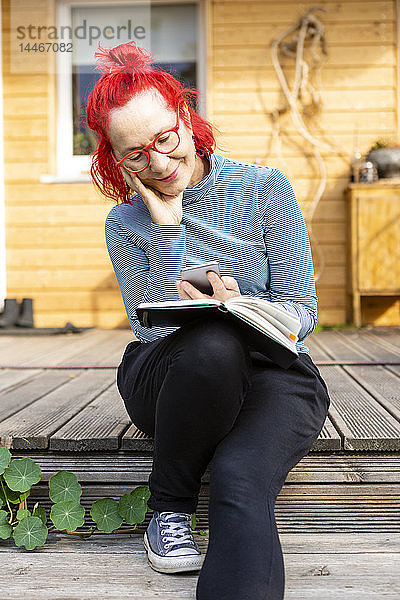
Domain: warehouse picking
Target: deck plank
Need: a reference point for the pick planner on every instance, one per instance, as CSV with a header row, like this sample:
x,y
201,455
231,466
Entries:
x,y
76,344
22,350
363,422
292,543
107,351
383,385
314,550
134,439
95,467
32,426
329,567
369,345
316,351
20,396
301,508
338,347
394,369
12,377
38,351
329,438
98,426
390,339
369,576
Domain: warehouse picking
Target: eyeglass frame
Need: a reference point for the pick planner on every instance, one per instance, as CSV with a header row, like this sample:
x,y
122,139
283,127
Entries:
x,y
144,150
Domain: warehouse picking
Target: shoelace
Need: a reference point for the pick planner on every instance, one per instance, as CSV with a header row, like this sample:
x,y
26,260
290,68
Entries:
x,y
179,531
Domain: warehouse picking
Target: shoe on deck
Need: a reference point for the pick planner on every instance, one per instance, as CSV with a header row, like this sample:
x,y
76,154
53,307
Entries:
x,y
170,544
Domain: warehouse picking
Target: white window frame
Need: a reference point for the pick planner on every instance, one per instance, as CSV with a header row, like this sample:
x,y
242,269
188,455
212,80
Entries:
x,y
76,168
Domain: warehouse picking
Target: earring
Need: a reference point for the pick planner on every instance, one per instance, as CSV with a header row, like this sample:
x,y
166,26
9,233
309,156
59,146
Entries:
x,y
195,149
200,151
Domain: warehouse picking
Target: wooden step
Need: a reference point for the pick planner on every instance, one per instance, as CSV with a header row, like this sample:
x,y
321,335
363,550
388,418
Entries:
x,y
298,508
60,409
322,493
334,566
127,467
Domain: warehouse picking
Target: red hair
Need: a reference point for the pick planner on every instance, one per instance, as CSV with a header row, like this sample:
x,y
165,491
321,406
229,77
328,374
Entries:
x,y
128,70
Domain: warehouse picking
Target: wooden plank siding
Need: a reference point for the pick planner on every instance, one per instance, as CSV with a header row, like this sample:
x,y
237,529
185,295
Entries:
x,y
359,87
55,246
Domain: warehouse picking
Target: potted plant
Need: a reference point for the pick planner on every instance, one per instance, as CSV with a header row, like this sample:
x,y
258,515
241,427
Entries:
x,y
386,157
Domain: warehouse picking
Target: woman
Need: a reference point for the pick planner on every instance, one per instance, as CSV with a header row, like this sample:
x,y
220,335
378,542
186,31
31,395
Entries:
x,y
199,390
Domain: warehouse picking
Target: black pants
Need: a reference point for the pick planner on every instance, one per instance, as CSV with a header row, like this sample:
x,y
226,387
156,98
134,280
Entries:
x,y
206,397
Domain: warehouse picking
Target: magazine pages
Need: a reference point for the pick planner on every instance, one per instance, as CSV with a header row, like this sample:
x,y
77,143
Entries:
x,y
258,312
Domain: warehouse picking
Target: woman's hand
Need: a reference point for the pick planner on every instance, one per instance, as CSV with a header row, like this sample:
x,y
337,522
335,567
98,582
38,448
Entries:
x,y
163,209
224,287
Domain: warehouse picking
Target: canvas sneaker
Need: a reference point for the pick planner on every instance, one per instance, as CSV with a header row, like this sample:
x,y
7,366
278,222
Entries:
x,y
170,544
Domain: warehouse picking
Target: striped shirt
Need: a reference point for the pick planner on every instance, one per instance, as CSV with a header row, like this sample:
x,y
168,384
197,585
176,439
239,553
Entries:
x,y
246,216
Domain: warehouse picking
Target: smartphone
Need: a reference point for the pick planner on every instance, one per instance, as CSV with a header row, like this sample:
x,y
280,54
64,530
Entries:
x,y
197,276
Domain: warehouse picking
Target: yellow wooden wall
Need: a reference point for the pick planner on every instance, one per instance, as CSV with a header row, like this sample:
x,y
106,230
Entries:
x,y
55,247
359,82
55,232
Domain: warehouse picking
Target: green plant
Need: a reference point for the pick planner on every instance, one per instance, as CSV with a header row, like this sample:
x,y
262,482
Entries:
x,y
378,144
384,143
83,143
28,527
318,328
338,326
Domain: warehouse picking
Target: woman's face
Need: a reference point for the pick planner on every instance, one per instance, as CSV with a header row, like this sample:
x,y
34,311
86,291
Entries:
x,y
136,124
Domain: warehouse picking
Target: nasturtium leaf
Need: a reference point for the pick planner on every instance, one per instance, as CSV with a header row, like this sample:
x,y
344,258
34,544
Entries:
x,y
12,497
5,527
30,532
67,515
104,513
23,512
133,506
128,510
142,493
21,474
40,512
5,457
64,486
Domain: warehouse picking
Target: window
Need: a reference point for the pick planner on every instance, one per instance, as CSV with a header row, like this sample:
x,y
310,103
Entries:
x,y
169,31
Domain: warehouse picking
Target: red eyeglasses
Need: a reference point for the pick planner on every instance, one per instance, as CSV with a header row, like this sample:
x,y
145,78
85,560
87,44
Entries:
x,y
164,143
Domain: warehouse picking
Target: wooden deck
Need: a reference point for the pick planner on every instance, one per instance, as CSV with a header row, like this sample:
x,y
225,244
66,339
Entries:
x,y
318,567
60,406
40,376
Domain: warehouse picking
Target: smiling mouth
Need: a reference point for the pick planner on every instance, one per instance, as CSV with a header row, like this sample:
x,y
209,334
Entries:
x,y
171,176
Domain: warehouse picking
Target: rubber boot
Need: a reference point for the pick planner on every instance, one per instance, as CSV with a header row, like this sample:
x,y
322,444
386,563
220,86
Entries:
x,y
10,313
26,315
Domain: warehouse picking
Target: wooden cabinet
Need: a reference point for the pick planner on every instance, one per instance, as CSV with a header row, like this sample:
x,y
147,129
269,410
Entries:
x,y
374,242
